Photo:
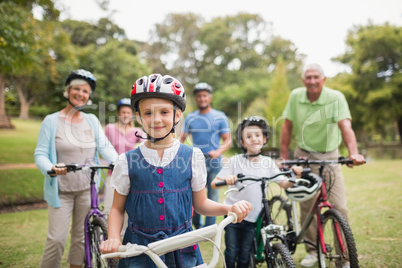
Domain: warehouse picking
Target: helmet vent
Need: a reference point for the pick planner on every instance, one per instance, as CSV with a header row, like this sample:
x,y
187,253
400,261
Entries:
x,y
168,80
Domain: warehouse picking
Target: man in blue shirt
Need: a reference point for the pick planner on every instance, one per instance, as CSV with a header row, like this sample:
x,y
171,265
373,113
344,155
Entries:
x,y
210,131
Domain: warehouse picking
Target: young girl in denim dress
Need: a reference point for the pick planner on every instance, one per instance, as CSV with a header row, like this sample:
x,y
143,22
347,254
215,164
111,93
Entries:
x,y
159,182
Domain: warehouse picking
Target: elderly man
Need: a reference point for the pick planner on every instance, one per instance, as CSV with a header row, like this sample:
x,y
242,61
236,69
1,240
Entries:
x,y
319,118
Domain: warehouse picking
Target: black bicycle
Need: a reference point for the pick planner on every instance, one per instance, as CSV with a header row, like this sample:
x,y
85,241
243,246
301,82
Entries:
x,y
270,244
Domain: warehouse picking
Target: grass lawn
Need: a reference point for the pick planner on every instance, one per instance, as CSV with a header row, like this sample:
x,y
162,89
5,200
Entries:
x,y
373,190
374,206
18,145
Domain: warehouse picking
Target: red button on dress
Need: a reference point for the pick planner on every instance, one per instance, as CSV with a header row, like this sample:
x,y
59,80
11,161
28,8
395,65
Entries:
x,y
160,184
160,200
160,171
161,217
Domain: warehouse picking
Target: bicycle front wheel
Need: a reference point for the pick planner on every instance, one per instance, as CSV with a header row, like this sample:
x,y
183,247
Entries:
x,y
281,212
338,241
278,256
97,234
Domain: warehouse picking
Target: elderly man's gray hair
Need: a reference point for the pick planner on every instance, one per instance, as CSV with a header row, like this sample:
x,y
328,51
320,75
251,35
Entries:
x,y
312,66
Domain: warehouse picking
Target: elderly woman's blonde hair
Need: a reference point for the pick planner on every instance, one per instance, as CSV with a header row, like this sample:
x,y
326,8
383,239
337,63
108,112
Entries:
x,y
74,82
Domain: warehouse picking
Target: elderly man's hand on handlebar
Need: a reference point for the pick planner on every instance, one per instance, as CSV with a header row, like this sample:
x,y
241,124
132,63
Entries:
x,y
358,160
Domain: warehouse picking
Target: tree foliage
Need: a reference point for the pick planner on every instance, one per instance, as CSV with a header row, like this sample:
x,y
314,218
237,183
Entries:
x,y
276,99
374,53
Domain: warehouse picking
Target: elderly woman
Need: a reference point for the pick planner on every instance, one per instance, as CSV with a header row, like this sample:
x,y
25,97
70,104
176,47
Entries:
x,y
69,136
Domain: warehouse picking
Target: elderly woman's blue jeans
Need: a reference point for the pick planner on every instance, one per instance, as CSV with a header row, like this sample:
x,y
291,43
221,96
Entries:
x,y
239,240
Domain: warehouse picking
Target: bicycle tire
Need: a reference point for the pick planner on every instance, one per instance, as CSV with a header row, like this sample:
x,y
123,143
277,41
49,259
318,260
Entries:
x,y
97,234
279,257
253,262
281,212
330,219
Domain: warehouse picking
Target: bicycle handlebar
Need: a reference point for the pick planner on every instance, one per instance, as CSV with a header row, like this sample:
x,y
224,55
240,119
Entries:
x,y
75,167
289,173
158,248
305,161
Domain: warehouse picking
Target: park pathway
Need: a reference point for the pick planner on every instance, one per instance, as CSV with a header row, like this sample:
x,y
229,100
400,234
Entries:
x,y
17,166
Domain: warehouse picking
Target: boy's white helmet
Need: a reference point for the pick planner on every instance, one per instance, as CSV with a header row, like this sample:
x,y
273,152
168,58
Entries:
x,y
302,192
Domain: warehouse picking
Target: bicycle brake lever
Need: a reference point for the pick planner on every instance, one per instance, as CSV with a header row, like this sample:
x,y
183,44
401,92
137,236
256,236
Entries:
x,y
231,190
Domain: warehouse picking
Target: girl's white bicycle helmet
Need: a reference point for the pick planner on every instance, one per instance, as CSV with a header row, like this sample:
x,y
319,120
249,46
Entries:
x,y
158,86
302,191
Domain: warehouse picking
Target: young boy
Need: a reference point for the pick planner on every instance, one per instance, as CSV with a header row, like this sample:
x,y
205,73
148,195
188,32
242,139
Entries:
x,y
251,134
159,182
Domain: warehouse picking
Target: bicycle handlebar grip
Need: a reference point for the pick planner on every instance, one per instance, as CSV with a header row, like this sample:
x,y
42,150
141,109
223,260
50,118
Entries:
x,y
122,248
234,215
220,183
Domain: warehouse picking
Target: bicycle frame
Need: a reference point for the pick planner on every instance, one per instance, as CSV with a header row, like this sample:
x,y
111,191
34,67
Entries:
x,y
320,203
266,230
263,233
156,249
94,212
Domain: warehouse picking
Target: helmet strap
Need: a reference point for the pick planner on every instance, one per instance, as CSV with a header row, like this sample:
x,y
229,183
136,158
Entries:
x,y
152,139
251,155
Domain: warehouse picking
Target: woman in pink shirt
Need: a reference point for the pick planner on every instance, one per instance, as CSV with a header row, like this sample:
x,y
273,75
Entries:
x,y
122,134
124,137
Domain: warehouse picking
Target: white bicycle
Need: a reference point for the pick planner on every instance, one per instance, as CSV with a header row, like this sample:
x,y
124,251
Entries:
x,y
212,233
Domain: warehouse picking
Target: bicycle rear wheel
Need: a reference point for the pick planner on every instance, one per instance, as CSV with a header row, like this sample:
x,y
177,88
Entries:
x,y
97,234
281,212
333,223
279,257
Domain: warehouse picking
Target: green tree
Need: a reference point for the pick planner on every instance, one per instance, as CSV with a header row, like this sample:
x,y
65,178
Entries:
x,y
374,53
232,45
49,12
84,33
285,51
174,45
19,46
276,99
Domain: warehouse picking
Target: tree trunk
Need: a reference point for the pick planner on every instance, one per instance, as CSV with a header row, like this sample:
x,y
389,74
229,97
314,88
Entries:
x,y
23,98
4,119
400,129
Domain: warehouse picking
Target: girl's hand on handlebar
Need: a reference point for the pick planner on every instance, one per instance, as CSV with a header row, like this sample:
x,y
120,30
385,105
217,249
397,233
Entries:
x,y
110,245
59,169
241,208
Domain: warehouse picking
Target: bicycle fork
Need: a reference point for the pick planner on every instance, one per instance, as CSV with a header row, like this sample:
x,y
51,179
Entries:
x,y
338,234
94,212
